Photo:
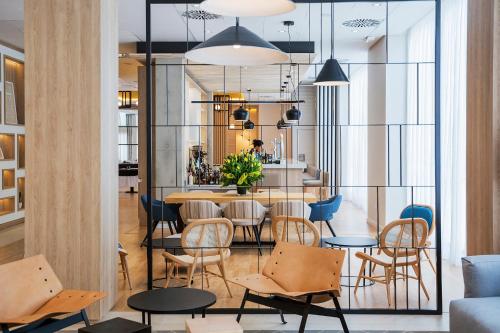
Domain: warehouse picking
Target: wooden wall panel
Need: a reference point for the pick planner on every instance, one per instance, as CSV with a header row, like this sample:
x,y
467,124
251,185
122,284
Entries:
x,y
71,140
483,136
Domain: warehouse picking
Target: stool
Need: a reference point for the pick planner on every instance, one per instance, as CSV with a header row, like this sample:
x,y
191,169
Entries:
x,y
213,325
116,325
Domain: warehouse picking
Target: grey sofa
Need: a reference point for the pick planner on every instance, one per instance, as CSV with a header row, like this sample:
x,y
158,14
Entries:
x,y
479,311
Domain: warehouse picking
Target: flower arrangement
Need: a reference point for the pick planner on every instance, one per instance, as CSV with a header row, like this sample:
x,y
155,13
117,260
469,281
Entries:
x,y
242,170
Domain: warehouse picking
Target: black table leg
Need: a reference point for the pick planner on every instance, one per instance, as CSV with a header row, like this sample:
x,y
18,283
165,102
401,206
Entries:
x,y
149,318
203,313
143,318
192,315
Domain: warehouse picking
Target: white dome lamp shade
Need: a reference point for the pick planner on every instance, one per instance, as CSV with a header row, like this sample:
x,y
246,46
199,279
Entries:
x,y
236,46
248,7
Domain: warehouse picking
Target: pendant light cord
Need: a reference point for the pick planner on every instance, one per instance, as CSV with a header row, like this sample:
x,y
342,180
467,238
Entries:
x,y
291,62
333,30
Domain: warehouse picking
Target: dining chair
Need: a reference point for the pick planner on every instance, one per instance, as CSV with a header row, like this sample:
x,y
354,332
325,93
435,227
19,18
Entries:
x,y
204,242
401,241
199,209
294,229
324,210
124,263
425,212
247,214
296,208
161,212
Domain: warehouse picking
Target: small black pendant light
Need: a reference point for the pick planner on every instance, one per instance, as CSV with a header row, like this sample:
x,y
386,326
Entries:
x,y
241,114
331,74
293,114
249,125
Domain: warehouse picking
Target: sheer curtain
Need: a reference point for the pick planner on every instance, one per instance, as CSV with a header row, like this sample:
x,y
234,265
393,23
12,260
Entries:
x,y
420,139
355,142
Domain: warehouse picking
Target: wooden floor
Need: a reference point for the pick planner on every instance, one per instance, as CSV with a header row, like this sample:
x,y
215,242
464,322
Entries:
x,y
349,221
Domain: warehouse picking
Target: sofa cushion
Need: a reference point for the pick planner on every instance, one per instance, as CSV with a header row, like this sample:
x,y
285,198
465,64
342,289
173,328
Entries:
x,y
481,276
478,315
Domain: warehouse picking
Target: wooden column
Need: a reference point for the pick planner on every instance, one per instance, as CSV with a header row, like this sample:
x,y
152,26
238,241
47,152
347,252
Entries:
x,y
71,141
483,127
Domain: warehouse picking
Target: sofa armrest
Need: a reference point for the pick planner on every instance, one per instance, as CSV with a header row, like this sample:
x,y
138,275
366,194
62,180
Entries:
x,y
481,276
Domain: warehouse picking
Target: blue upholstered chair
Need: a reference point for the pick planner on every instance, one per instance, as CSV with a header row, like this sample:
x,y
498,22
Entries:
x,y
424,212
324,210
161,212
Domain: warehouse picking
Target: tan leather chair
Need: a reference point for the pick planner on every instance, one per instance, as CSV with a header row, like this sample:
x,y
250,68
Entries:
x,y
205,242
295,230
31,292
401,241
292,275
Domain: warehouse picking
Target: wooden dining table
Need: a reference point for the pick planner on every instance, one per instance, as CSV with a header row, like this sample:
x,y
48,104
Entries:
x,y
265,198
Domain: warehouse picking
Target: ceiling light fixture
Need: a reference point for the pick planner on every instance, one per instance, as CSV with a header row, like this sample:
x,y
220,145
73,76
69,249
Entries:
x,y
241,114
331,74
293,114
236,46
248,8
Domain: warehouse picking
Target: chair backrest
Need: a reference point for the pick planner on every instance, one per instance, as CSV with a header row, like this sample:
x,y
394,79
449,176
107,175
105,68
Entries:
x,y
303,268
245,209
161,211
207,237
401,238
26,285
199,209
324,210
296,208
422,211
295,230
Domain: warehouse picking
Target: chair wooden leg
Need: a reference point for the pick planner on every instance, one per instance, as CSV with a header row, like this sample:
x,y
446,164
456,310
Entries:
x,y
416,269
361,273
191,270
170,270
388,284
375,265
122,259
222,270
428,256
205,273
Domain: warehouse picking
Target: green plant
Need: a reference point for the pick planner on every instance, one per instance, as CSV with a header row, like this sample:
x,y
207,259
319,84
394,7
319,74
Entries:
x,y
242,169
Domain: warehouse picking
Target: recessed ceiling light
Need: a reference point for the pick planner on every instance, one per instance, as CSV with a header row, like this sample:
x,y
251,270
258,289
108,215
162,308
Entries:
x,y
376,4
282,31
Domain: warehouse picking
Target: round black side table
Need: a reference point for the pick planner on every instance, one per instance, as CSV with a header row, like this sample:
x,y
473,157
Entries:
x,y
353,242
170,301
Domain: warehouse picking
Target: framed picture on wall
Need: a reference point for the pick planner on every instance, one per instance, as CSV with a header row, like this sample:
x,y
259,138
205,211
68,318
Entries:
x,y
10,103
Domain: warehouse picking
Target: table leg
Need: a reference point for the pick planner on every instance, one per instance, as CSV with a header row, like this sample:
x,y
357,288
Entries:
x,y
143,318
192,315
149,318
203,313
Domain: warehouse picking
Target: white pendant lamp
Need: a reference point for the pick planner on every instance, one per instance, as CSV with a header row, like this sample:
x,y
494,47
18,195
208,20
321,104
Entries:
x,y
248,7
236,46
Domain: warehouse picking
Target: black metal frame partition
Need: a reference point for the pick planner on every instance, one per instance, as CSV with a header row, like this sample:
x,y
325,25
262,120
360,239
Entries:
x,y
334,160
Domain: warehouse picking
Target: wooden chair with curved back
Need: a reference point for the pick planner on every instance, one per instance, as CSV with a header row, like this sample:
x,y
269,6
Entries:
x,y
287,278
401,241
295,229
204,242
31,296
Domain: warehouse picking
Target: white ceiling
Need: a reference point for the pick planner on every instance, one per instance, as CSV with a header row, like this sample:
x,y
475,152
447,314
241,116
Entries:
x,y
168,24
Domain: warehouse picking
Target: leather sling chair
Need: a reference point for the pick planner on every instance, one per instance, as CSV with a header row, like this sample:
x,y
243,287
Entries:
x,y
287,279
31,296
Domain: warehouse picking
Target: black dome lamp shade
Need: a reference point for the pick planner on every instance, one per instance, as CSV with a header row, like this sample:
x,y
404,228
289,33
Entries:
x,y
248,8
331,74
236,46
249,125
293,114
240,114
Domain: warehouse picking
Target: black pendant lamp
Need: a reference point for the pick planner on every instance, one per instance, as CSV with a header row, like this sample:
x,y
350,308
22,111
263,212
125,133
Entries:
x,y
281,124
331,74
240,114
249,125
293,114
236,46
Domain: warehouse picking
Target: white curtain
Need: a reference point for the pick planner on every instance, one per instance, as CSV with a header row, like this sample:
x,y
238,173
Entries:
x,y
420,139
355,141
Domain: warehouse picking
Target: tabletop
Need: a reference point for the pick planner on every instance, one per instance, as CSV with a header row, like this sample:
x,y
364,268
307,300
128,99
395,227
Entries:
x,y
351,241
171,300
266,198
